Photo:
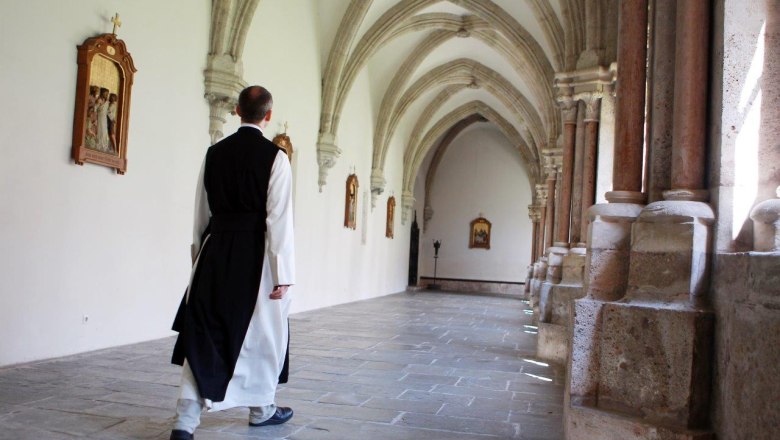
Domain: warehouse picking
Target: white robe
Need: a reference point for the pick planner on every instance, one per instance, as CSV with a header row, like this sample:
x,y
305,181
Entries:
x,y
262,354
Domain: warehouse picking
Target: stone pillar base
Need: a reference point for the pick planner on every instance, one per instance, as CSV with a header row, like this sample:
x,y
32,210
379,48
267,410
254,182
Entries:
x,y
554,327
655,363
553,343
585,423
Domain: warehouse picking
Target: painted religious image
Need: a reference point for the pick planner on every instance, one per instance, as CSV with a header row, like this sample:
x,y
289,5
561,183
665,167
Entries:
x,y
389,229
479,236
350,202
102,106
100,119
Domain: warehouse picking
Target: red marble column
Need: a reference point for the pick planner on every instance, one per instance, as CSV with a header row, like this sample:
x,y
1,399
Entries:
x,y
630,105
548,227
569,114
542,222
534,238
576,194
592,113
690,101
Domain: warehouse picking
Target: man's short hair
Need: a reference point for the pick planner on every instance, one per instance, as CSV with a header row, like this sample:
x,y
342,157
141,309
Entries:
x,y
254,102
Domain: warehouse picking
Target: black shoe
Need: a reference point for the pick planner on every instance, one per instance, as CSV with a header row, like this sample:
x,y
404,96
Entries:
x,y
178,434
282,415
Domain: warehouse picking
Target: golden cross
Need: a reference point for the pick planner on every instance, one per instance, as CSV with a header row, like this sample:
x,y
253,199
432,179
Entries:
x,y
285,126
117,22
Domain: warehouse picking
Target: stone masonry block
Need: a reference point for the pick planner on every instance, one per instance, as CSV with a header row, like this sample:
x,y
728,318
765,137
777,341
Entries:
x,y
586,423
655,363
553,343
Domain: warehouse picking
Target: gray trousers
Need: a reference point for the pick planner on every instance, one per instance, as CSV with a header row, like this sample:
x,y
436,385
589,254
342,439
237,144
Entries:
x,y
188,414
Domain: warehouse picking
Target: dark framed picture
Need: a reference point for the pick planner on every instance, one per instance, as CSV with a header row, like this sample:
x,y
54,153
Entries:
x,y
479,236
103,86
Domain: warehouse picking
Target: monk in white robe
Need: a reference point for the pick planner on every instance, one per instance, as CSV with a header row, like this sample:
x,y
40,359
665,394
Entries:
x,y
233,322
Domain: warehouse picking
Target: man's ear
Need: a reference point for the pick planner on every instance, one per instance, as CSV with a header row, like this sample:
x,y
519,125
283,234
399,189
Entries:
x,y
267,116
238,110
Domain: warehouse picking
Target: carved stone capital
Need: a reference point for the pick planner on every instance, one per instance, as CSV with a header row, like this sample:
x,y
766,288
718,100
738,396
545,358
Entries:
x,y
378,183
427,216
592,107
568,111
541,193
535,213
327,153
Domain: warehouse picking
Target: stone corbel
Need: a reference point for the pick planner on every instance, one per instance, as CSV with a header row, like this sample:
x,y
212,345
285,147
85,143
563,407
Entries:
x,y
407,205
427,216
327,153
223,83
766,225
377,185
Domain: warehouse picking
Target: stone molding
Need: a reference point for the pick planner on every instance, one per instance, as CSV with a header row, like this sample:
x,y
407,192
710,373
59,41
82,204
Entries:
x,y
407,205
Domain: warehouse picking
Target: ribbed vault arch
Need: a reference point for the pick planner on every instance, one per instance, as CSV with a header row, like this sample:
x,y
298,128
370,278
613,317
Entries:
x,y
415,154
489,22
466,72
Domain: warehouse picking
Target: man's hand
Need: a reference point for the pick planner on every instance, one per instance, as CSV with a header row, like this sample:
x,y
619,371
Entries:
x,y
279,292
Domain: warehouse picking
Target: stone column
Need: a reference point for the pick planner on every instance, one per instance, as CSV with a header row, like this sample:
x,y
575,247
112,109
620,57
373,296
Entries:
x,y
569,117
576,195
592,111
534,215
630,106
660,108
541,201
609,236
550,208
690,103
655,352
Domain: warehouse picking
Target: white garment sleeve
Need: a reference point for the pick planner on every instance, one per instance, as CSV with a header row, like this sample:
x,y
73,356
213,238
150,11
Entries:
x,y
279,223
202,212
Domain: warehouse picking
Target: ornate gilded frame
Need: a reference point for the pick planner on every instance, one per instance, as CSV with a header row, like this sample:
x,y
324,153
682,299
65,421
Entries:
x,y
102,60
350,202
479,233
390,227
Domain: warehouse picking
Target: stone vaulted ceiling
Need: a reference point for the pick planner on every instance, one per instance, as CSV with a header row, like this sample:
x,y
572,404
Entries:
x,y
434,64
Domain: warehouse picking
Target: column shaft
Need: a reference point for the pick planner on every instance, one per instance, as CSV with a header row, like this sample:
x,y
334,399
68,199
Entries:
x,y
576,195
542,223
630,106
690,92
534,240
589,170
564,210
548,227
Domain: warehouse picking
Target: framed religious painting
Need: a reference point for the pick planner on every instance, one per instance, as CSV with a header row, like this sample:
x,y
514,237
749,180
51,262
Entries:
x,y
102,112
479,236
390,227
350,202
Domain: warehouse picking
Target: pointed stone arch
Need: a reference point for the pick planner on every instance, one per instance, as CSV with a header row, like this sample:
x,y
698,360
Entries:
x,y
415,154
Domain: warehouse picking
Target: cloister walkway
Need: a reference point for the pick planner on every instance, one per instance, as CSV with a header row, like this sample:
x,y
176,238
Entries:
x,y
414,365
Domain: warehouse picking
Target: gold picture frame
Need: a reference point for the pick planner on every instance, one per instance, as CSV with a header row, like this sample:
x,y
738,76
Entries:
x,y
479,233
102,110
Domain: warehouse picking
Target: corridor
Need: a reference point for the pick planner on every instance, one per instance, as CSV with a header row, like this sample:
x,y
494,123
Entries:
x,y
414,365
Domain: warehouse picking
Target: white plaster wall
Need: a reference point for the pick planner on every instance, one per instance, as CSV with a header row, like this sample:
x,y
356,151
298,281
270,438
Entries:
x,y
333,264
82,240
480,172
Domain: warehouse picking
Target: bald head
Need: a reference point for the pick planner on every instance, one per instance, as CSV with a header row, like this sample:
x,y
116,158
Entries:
x,y
254,104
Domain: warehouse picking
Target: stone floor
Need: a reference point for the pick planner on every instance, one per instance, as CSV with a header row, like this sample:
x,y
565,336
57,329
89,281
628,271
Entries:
x,y
407,366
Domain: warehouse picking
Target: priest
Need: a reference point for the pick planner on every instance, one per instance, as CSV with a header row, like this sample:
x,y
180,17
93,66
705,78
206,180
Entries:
x,y
233,329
